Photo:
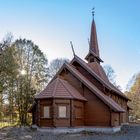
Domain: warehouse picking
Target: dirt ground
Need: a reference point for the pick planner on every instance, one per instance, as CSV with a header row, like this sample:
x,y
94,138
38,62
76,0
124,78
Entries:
x,y
131,132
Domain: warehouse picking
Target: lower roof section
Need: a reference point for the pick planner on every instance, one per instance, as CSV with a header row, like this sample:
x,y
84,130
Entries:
x,y
60,88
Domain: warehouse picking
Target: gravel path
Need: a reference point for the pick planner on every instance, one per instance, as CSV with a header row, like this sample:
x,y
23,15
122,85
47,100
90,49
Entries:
x,y
131,132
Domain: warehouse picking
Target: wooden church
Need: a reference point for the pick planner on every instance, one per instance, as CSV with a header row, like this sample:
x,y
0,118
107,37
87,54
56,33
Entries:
x,y
80,94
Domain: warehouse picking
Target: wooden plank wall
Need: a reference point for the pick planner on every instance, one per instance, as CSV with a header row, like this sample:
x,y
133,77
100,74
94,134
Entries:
x,y
96,112
115,119
62,122
78,113
45,122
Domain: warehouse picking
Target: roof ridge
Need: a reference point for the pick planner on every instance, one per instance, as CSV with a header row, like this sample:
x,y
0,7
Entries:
x,y
56,84
100,72
65,86
64,82
98,69
40,93
100,79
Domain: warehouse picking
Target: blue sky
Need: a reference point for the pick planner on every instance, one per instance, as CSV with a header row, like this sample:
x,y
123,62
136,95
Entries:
x,y
52,24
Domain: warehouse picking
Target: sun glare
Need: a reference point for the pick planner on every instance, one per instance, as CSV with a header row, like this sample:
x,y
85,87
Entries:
x,y
23,72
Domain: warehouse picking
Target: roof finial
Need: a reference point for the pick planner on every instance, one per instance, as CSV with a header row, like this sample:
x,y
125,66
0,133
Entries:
x,y
93,12
72,48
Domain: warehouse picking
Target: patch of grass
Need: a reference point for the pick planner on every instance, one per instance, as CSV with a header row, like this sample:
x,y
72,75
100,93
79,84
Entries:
x,y
6,124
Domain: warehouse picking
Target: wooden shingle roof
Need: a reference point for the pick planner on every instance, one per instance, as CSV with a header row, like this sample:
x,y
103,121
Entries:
x,y
97,71
60,88
93,44
92,53
93,39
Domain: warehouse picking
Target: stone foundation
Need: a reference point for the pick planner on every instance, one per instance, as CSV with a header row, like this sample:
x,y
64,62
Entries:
x,y
63,130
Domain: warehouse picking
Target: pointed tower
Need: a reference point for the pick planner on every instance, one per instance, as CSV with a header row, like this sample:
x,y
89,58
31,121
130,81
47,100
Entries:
x,y
93,55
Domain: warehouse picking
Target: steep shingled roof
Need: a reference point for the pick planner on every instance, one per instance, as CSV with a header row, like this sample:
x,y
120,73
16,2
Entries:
x,y
100,77
60,88
98,69
93,45
93,39
93,54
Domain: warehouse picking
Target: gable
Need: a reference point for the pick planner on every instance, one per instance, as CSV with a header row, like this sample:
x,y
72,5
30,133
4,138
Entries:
x,y
107,100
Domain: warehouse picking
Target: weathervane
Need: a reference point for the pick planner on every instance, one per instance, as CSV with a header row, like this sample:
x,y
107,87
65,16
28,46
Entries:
x,y
93,12
72,48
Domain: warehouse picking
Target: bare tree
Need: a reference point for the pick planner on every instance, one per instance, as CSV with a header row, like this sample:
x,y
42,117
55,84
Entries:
x,y
55,65
111,75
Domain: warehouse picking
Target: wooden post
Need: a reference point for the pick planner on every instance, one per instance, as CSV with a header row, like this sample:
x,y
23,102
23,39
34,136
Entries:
x,y
54,112
119,118
111,118
38,103
71,113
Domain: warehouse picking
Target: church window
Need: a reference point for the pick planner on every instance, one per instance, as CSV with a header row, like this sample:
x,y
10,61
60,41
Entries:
x,y
46,111
62,111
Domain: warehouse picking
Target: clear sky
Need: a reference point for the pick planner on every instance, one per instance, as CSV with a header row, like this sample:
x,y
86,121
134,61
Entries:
x,y
52,24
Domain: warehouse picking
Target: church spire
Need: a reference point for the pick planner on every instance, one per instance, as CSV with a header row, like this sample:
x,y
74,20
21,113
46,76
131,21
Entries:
x,y
93,54
93,39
